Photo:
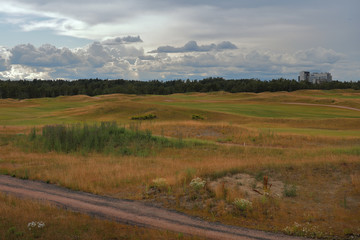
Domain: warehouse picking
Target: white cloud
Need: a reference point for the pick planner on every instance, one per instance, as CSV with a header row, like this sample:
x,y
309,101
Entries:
x,y
125,61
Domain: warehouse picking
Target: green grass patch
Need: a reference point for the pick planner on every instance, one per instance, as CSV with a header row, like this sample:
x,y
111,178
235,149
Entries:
x,y
347,151
38,112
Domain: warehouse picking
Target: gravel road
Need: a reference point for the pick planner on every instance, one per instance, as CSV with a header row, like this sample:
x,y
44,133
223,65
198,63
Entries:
x,y
128,212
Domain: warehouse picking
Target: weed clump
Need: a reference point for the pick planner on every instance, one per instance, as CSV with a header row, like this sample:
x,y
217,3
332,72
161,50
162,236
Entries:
x,y
159,183
242,205
290,191
304,230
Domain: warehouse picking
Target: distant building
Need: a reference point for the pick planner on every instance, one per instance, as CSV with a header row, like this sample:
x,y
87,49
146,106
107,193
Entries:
x,y
315,77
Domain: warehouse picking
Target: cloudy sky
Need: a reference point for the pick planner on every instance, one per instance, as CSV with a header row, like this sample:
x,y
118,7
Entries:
x,y
171,39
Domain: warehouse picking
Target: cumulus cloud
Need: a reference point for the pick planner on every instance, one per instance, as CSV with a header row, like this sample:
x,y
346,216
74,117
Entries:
x,y
192,46
45,56
191,61
121,40
24,72
93,60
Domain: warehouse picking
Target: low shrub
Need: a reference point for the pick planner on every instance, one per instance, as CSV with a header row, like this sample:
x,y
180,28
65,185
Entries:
x,y
197,117
242,206
197,184
144,117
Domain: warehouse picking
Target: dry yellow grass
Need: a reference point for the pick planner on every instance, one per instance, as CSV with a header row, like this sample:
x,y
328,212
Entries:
x,y
355,181
15,214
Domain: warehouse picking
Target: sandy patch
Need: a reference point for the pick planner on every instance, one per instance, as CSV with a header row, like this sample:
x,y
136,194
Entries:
x,y
246,184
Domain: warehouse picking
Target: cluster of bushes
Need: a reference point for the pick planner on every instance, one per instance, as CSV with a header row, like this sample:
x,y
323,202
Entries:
x,y
197,117
106,137
144,117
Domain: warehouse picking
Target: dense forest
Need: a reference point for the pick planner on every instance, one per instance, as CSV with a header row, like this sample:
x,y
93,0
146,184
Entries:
x,y
52,88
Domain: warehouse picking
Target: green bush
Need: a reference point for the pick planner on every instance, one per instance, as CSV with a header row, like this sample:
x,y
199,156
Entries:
x,y
197,184
197,117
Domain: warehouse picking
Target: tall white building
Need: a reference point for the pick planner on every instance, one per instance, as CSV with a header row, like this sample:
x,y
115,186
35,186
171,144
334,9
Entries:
x,y
315,77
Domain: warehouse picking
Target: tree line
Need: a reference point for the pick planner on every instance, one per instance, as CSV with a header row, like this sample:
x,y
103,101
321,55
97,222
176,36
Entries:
x,y
22,89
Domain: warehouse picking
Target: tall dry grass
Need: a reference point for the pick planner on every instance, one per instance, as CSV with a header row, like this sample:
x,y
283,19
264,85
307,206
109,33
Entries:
x,y
122,175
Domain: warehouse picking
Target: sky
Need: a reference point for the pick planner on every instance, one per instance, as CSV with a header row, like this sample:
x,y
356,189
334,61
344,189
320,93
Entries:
x,y
172,39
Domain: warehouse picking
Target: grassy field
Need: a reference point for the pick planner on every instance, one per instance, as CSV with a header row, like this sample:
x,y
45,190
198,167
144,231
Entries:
x,y
310,153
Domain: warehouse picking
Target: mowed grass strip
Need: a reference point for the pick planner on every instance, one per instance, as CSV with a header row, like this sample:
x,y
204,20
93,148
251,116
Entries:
x,y
39,111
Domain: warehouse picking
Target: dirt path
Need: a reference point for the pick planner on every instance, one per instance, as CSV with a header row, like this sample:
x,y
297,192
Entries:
x,y
128,212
